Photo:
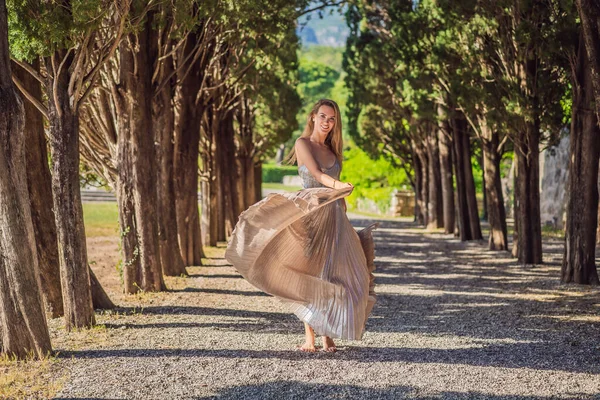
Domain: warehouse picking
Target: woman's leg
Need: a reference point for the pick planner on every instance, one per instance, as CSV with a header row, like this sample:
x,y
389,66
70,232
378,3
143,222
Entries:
x,y
309,342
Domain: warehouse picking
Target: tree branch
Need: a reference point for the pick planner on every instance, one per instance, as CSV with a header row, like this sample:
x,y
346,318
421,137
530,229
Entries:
x,y
38,104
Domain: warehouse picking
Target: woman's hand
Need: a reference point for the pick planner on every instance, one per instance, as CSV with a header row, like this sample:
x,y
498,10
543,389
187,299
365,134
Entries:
x,y
342,185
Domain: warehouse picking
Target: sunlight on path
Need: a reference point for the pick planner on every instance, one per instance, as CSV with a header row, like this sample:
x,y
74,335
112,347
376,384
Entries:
x,y
451,321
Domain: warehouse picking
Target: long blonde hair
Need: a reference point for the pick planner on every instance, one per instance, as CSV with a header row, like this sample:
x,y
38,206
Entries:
x,y
334,138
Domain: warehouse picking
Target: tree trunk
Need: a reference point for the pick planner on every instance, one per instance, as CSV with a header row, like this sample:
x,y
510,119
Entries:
x,y
136,79
164,124
246,167
230,175
589,12
528,217
205,187
68,212
493,189
481,160
39,182
220,171
210,210
421,152
130,264
515,247
419,212
579,261
468,223
187,142
445,143
22,319
435,209
257,181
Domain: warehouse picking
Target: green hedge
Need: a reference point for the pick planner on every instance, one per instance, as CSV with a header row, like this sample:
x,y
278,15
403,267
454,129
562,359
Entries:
x,y
274,173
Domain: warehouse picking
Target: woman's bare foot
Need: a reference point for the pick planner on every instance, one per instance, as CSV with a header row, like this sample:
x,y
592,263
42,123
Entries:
x,y
309,343
307,347
328,345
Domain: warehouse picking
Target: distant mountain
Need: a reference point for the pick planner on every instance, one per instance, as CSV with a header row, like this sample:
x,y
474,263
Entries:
x,y
330,30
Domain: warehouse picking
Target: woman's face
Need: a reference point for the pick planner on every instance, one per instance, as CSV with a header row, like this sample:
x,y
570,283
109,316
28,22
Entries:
x,y
325,120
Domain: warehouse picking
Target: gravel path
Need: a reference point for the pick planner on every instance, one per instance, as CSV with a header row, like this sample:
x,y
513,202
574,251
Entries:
x,y
452,321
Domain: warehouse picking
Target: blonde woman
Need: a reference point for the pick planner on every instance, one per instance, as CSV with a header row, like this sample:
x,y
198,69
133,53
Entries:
x,y
301,247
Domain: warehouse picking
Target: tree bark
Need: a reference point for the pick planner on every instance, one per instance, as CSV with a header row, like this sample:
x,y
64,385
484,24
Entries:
x,y
421,153
589,12
515,247
39,183
435,209
418,188
130,264
257,181
220,181
528,216
493,189
468,223
579,261
445,143
481,160
164,124
233,200
211,179
136,81
187,141
246,168
23,325
68,212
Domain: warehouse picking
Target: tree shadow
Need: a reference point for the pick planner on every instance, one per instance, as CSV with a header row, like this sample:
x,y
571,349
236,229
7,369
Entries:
x,y
222,291
292,326
223,276
192,310
505,355
312,391
433,284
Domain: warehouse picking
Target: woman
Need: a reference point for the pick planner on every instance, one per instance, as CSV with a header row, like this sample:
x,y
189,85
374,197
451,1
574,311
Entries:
x,y
301,247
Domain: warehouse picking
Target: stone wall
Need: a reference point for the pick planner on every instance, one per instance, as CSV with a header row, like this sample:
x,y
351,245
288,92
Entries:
x,y
554,172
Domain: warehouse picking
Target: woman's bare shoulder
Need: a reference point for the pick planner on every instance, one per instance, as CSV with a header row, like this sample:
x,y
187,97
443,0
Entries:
x,y
303,141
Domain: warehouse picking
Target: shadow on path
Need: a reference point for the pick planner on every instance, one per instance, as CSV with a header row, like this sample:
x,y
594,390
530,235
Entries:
x,y
512,355
277,390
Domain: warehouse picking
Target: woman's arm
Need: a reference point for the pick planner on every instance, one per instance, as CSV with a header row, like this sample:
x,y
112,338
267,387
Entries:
x,y
305,157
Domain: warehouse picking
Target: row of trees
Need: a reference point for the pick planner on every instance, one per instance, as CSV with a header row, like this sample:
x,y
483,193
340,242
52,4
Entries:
x,y
157,99
430,81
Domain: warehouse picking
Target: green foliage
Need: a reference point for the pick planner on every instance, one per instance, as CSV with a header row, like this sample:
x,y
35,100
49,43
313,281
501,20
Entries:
x,y
39,28
270,96
372,179
275,173
326,55
316,79
410,65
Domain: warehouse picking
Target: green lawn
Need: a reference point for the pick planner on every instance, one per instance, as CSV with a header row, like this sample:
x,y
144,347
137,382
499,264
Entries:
x,y
101,219
280,186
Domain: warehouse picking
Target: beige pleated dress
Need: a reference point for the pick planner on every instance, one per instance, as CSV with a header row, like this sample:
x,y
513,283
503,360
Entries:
x,y
301,248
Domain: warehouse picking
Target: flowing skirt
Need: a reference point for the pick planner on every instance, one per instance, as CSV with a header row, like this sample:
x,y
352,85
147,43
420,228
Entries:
x,y
301,248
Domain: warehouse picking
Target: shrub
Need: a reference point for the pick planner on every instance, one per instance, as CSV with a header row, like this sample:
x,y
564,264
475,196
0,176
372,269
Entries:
x,y
273,173
372,179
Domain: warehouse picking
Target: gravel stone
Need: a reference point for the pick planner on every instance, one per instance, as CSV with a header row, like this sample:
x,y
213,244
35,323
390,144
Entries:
x,y
453,321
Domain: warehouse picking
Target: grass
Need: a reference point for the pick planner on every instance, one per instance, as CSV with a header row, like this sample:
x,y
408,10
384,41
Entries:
x,y
29,379
101,219
280,186
550,232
